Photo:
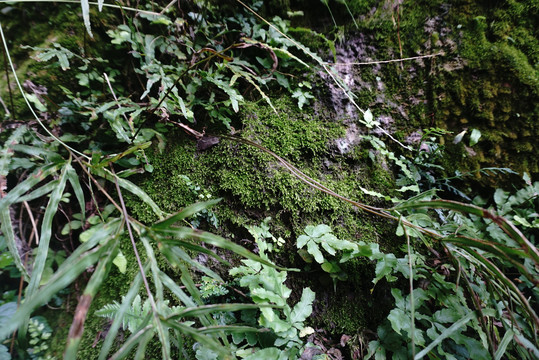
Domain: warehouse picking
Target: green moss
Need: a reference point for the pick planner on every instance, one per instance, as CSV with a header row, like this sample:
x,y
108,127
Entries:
x,y
253,183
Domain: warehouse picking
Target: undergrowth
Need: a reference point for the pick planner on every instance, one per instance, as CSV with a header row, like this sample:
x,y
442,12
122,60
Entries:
x,y
464,282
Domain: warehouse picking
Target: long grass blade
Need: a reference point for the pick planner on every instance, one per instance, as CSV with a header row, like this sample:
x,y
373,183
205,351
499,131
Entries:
x,y
176,243
9,234
195,264
183,214
229,329
212,239
118,319
131,342
73,178
445,334
514,256
35,178
503,223
85,7
81,312
143,343
39,192
207,341
503,344
132,188
59,281
501,277
208,309
46,232
176,290
33,151
150,254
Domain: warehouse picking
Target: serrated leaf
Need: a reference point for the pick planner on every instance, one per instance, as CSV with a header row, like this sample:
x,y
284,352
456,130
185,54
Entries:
x,y
268,296
399,320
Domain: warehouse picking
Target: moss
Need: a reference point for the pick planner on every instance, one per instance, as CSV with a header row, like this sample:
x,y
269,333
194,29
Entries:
x,y
253,186
486,80
253,183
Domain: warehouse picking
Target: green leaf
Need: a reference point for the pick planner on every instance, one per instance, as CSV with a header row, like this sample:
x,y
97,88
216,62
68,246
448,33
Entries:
x,y
204,353
303,309
45,233
447,333
271,353
384,267
459,136
270,318
399,320
302,96
4,353
313,249
85,7
320,230
502,346
121,262
184,213
302,241
265,295
7,310
474,137
369,120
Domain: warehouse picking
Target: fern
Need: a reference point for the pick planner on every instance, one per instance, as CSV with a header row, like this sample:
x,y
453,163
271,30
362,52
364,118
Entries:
x,y
133,317
6,153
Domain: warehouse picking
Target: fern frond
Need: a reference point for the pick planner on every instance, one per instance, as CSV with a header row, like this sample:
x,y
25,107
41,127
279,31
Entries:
x,y
6,153
132,318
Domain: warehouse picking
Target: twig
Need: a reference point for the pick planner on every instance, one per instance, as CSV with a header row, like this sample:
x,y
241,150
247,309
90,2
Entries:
x,y
386,61
4,50
117,102
166,7
5,107
128,224
33,221
411,281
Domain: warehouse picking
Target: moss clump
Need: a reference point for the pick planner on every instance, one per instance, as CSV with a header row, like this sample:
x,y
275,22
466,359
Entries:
x,y
254,185
486,79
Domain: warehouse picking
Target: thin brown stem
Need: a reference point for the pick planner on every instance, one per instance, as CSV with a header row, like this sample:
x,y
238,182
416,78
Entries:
x,y
33,221
133,243
8,84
